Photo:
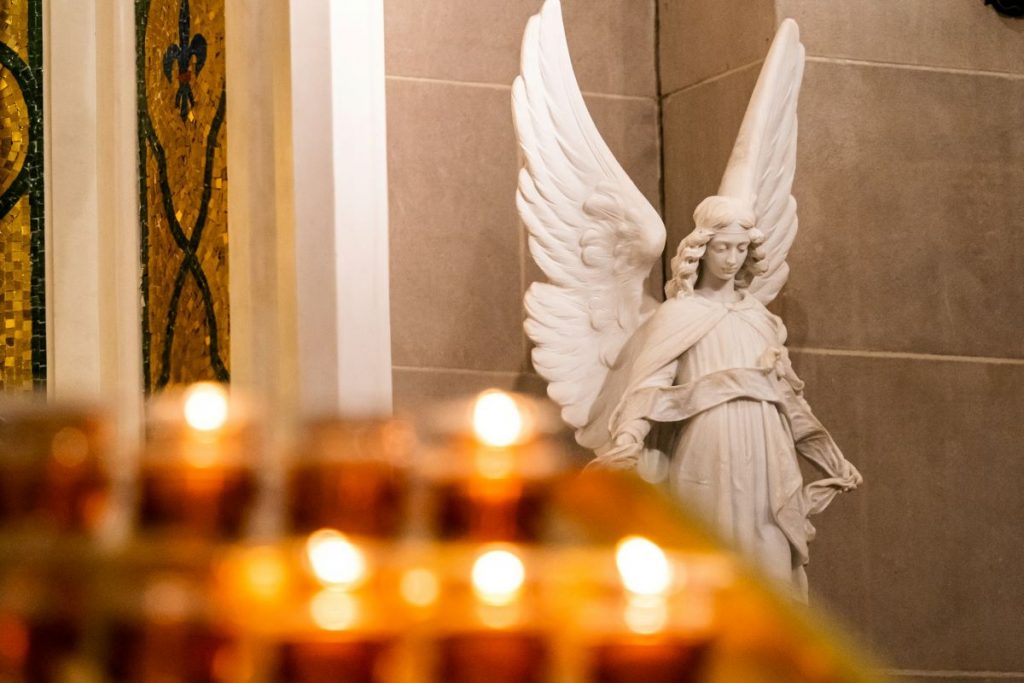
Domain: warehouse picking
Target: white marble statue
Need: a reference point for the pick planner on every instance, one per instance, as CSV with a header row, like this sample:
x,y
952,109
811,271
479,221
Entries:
x,y
700,384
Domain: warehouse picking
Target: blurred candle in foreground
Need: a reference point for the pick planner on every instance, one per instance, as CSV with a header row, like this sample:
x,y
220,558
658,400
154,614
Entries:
x,y
351,475
347,631
650,649
53,474
158,625
196,475
498,577
497,420
334,560
341,647
502,647
491,480
643,566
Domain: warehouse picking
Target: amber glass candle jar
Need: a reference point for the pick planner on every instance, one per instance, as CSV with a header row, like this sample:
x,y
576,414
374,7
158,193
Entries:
x,y
493,628
657,626
43,616
352,476
157,625
53,472
197,471
491,475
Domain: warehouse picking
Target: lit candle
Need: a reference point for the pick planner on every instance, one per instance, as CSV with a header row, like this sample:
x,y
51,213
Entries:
x,y
346,643
495,483
649,649
196,478
351,476
500,648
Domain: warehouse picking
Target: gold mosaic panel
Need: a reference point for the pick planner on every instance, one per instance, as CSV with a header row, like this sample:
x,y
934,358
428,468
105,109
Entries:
x,y
182,91
22,297
14,26
16,298
13,129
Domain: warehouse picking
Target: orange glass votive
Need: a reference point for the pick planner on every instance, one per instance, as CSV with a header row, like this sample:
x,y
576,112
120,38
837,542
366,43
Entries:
x,y
478,509
343,660
35,649
43,609
492,469
493,656
52,470
654,659
205,502
351,476
154,650
196,473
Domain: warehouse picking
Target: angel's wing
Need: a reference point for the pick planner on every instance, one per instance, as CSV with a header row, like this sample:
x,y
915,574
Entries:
x,y
763,160
591,231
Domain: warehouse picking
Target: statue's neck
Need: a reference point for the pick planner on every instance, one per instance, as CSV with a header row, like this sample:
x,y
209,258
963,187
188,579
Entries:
x,y
713,289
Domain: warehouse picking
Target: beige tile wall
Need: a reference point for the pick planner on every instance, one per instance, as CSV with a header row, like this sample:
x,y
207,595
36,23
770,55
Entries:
x,y
905,304
457,250
906,301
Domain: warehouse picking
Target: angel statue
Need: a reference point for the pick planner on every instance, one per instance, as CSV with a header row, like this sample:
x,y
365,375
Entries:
x,y
702,380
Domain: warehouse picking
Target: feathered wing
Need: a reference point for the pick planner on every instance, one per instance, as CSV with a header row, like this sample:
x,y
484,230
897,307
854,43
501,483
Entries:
x,y
591,231
763,160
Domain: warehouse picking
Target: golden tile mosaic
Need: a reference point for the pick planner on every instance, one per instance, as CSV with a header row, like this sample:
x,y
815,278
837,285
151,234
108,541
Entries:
x,y
183,190
22,296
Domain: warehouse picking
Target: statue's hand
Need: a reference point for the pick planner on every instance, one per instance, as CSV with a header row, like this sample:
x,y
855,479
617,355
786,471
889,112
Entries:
x,y
623,453
626,440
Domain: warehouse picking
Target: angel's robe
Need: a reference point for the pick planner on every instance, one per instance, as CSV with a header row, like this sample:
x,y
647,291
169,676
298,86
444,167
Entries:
x,y
716,379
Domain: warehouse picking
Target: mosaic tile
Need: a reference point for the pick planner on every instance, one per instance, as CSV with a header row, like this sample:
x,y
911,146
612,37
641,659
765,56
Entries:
x,y
183,190
22,294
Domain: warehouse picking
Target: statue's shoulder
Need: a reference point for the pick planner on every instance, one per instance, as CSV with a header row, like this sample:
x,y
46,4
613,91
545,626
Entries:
x,y
687,306
678,319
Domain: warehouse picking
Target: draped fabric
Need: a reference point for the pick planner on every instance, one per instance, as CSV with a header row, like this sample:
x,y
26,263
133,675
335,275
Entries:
x,y
718,378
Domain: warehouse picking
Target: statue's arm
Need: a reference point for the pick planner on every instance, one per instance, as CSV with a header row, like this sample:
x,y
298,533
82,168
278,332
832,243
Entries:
x,y
811,439
628,436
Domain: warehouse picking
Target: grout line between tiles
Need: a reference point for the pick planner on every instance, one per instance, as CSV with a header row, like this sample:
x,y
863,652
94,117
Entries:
x,y
902,355
939,673
711,79
444,81
661,118
915,67
508,87
1009,75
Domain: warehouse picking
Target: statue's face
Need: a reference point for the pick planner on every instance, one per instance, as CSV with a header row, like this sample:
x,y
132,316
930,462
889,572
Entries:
x,y
726,253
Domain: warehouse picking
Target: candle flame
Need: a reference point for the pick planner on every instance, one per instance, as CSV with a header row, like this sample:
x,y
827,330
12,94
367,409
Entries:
x,y
335,560
497,420
498,577
206,406
643,566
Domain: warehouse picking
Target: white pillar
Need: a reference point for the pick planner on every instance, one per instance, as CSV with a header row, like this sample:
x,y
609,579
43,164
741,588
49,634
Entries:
x,y
341,230
260,215
71,167
92,243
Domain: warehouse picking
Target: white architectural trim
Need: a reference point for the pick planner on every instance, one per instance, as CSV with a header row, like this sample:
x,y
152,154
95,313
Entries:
x,y
260,221
341,228
72,190
92,244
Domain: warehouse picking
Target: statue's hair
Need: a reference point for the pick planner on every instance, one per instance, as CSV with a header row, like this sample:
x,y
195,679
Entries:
x,y
713,214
